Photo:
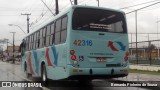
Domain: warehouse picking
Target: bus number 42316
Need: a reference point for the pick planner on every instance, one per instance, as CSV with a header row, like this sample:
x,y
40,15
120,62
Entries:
x,y
83,42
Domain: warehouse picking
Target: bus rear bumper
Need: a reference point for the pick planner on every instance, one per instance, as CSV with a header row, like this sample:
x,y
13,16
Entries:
x,y
97,73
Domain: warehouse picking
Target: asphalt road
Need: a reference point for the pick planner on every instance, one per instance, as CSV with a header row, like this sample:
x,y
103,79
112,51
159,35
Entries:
x,y
12,72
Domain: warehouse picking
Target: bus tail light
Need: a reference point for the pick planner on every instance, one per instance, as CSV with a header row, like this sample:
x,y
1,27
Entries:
x,y
126,56
127,53
73,57
72,52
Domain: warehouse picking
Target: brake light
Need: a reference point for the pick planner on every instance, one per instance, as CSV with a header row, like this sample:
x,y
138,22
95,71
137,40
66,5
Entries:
x,y
73,57
72,52
127,53
126,56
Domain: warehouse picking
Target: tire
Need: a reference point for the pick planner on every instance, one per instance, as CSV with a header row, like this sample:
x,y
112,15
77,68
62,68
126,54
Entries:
x,y
44,75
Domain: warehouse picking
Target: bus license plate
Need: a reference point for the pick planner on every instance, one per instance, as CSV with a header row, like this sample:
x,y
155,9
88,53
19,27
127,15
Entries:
x,y
101,59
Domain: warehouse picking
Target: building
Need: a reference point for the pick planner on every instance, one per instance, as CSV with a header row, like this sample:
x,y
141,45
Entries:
x,y
9,50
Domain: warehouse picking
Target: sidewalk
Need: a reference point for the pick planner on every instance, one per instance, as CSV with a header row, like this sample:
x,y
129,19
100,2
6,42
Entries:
x,y
145,67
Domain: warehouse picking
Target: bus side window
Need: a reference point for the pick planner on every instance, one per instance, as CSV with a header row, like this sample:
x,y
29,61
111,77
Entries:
x,y
48,35
30,42
44,37
64,29
38,40
41,39
26,47
52,37
34,40
57,31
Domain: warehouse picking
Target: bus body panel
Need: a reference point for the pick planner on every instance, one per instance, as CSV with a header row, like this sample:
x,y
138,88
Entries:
x,y
55,61
92,46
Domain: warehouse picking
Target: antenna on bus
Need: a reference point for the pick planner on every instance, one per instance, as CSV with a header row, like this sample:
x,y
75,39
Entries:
x,y
57,9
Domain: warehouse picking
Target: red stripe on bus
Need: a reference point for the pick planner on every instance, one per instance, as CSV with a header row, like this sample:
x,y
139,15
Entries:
x,y
30,63
48,58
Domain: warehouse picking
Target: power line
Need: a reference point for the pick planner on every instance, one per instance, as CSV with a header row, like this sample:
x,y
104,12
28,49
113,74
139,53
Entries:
x,y
48,7
71,2
138,4
143,7
42,15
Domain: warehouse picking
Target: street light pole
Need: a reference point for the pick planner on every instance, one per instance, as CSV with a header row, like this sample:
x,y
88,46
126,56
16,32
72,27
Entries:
x,y
18,27
27,21
13,46
136,36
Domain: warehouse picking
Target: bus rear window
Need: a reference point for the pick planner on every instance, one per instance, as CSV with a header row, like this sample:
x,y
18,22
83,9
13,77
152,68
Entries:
x,y
88,19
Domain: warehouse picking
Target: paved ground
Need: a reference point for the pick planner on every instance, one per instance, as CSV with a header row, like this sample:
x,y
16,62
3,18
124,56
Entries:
x,y
140,77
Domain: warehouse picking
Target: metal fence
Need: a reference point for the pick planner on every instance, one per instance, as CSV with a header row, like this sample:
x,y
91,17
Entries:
x,y
147,51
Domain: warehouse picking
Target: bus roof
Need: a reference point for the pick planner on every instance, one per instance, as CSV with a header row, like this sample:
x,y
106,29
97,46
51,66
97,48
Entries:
x,y
67,11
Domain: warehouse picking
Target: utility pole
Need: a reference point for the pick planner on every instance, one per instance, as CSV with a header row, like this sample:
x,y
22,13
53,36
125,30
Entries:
x,y
157,38
75,2
136,35
27,21
57,9
13,46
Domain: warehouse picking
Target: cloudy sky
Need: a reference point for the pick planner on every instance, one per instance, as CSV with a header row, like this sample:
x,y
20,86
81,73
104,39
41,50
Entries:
x,y
10,13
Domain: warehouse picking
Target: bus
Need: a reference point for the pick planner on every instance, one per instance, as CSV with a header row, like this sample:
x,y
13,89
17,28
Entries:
x,y
80,43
